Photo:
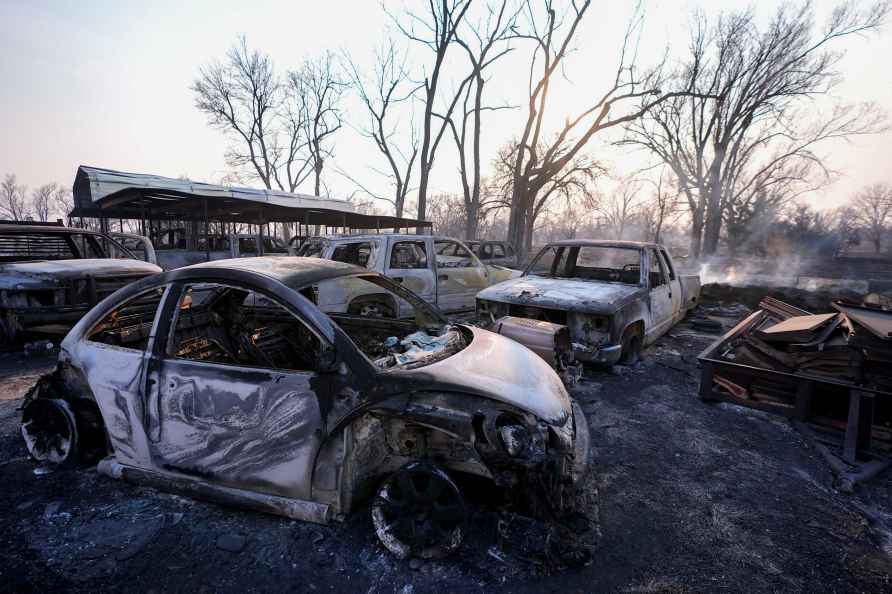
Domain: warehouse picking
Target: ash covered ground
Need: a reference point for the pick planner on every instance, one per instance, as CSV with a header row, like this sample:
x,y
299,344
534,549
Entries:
x,y
682,496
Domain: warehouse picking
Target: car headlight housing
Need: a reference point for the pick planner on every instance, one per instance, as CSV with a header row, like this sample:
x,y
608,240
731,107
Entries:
x,y
515,439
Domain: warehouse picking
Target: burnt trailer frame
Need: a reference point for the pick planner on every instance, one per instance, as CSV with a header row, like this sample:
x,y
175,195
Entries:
x,y
850,450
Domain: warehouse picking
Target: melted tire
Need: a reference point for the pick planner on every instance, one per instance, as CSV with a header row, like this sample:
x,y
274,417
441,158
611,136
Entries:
x,y
50,431
419,512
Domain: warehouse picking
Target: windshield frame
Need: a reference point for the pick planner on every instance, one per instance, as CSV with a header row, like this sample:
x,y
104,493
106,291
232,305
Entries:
x,y
572,251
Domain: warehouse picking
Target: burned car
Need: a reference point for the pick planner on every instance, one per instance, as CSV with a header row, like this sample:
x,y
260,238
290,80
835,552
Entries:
x,y
51,275
227,381
611,297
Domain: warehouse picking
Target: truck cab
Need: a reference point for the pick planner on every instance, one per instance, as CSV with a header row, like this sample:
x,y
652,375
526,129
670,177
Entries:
x,y
441,270
614,297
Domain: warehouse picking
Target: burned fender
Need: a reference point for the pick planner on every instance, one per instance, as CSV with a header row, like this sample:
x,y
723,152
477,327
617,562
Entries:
x,y
61,422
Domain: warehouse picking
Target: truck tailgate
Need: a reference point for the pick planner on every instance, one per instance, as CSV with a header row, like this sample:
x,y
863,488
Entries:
x,y
690,289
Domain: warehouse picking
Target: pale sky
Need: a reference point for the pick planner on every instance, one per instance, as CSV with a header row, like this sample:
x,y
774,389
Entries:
x,y
107,83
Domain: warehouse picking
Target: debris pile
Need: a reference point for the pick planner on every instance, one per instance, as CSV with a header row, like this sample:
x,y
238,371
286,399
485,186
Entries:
x,y
831,370
853,344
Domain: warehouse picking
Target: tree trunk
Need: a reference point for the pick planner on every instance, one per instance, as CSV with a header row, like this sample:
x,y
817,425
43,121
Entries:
x,y
713,226
696,234
471,223
318,170
422,190
528,233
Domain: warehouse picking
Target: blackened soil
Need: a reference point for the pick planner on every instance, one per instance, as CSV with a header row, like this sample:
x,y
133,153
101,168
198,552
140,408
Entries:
x,y
683,496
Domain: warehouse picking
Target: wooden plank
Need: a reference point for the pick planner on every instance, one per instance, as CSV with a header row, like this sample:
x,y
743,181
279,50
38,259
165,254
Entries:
x,y
800,324
878,321
751,320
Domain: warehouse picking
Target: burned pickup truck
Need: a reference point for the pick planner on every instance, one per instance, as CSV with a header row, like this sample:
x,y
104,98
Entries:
x,y
51,275
227,381
613,298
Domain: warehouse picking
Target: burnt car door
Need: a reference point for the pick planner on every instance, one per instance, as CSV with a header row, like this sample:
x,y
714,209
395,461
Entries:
x,y
660,295
233,392
410,264
460,276
114,354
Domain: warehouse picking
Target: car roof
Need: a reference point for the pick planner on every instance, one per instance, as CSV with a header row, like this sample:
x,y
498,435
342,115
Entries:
x,y
604,243
4,227
368,236
292,271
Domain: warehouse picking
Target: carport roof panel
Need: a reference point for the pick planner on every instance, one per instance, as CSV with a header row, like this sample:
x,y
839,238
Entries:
x,y
106,188
117,194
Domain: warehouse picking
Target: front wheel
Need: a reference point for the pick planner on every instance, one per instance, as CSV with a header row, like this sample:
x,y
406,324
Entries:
x,y
631,351
50,431
419,511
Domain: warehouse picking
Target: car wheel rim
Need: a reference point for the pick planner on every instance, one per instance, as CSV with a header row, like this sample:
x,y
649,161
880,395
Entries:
x,y
49,430
420,512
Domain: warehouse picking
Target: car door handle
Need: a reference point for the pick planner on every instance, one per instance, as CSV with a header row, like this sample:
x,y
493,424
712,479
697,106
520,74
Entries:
x,y
443,277
398,279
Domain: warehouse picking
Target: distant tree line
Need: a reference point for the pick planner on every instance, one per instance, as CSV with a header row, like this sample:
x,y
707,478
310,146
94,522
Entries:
x,y
44,203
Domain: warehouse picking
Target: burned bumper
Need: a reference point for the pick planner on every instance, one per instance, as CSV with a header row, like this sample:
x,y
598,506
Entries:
x,y
603,354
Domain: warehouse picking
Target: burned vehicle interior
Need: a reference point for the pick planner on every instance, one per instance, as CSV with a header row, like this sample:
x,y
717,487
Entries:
x,y
601,263
232,325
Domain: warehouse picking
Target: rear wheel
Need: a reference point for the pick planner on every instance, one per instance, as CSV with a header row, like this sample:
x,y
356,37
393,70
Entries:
x,y
371,308
419,512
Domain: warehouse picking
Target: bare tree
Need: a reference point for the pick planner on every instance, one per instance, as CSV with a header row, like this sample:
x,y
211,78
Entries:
x,y
447,214
435,30
484,44
63,201
621,206
662,206
42,201
552,35
573,182
244,97
873,206
13,200
316,91
389,87
747,81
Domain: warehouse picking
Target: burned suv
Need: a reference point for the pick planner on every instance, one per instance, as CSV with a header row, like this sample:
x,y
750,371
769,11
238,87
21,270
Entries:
x,y
51,275
229,381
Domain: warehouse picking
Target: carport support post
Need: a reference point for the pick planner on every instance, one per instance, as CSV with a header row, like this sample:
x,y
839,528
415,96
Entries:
x,y
207,238
260,231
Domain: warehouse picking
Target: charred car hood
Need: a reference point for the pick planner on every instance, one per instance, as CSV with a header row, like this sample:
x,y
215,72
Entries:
x,y
53,271
595,297
499,368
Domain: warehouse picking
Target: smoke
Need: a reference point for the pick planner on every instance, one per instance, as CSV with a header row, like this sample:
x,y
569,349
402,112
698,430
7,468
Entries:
x,y
790,270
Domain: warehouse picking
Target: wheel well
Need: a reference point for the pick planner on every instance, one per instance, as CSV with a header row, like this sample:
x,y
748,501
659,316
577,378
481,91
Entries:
x,y
353,460
67,384
636,327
